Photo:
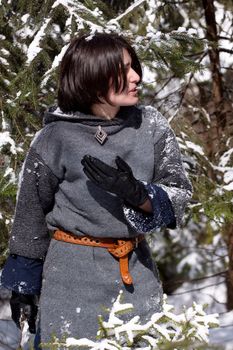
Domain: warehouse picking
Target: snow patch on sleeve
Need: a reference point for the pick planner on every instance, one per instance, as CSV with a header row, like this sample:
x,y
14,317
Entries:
x,y
162,215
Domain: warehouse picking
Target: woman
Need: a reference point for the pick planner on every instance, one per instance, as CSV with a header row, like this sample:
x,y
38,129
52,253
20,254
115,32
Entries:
x,y
99,176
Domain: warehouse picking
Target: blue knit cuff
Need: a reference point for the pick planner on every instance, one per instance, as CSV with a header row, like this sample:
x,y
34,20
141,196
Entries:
x,y
162,216
22,275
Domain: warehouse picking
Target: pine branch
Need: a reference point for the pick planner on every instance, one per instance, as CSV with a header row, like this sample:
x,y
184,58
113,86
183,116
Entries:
x,y
186,88
162,87
164,330
224,38
174,2
198,289
193,280
222,49
215,300
129,9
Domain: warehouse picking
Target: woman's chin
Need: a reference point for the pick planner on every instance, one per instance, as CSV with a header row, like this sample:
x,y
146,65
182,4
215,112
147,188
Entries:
x,y
133,100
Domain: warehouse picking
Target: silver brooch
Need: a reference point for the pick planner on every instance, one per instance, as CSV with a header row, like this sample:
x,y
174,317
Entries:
x,y
101,135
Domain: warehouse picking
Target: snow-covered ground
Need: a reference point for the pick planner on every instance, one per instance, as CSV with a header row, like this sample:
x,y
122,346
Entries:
x,y
210,291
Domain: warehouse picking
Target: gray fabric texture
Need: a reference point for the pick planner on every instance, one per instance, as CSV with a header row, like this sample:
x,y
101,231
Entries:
x,y
35,198
78,281
81,282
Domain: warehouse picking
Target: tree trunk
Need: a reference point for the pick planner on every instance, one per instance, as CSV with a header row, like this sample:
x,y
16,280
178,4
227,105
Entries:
x,y
217,86
221,109
229,278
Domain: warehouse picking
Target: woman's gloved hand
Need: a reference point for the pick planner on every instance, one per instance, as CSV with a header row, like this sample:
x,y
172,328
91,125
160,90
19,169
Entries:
x,y
119,181
24,306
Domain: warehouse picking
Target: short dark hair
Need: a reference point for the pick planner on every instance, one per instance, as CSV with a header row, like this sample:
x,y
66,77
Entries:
x,y
88,67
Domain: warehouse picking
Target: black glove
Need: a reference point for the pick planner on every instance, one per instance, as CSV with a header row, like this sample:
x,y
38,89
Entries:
x,y
25,306
119,181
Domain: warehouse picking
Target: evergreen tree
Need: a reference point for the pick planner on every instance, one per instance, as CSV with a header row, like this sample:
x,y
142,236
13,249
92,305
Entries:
x,y
35,36
171,39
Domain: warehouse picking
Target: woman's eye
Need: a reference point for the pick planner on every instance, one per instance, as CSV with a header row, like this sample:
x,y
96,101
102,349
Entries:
x,y
127,68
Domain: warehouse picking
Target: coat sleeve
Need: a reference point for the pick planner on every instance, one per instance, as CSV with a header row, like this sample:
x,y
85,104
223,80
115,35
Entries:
x,y
22,275
29,237
161,216
36,192
170,189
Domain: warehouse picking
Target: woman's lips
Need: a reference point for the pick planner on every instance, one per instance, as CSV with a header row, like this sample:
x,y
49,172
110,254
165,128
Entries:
x,y
133,91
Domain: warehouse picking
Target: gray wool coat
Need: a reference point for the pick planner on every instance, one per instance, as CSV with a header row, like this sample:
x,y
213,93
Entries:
x,y
80,282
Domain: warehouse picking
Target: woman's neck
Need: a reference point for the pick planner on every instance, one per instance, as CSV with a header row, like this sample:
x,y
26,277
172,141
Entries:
x,y
105,110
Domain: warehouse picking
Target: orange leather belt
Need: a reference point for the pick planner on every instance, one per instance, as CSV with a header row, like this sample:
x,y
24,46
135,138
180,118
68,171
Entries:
x,y
120,248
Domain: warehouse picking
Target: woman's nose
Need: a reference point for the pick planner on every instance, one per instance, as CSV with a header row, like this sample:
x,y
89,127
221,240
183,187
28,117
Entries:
x,y
133,76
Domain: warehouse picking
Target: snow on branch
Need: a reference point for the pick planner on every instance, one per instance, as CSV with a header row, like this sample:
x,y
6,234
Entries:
x,y
164,330
34,48
6,139
129,9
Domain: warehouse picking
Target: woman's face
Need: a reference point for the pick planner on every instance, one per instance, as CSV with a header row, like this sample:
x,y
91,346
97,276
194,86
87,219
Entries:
x,y
129,96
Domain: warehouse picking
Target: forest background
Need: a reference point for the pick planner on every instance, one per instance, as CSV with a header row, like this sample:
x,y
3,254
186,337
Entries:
x,y
186,49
